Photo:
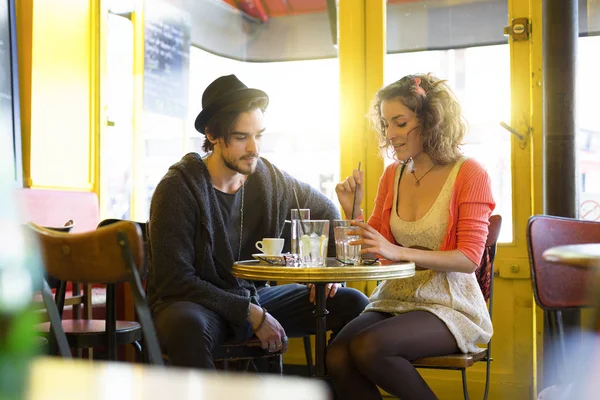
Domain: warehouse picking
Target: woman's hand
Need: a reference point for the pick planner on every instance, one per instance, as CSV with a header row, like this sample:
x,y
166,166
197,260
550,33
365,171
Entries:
x,y
345,192
330,291
372,241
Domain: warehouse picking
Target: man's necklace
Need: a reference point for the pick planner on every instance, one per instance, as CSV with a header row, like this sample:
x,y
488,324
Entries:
x,y
241,223
205,159
418,180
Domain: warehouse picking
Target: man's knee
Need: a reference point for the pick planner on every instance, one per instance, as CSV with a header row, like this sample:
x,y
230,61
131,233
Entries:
x,y
185,329
352,301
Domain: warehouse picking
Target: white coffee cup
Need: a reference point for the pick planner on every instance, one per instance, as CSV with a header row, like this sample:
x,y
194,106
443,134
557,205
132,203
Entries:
x,y
270,246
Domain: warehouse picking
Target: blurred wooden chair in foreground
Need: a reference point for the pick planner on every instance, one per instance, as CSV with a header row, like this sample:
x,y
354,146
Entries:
x,y
485,278
108,255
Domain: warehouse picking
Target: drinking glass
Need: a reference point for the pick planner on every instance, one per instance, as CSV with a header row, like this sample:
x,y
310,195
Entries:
x,y
345,252
297,215
314,236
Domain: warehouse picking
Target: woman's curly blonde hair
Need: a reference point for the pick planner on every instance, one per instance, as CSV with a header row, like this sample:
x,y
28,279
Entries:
x,y
436,108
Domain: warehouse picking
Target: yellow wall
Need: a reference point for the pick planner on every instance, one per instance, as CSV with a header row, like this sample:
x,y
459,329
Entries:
x,y
58,73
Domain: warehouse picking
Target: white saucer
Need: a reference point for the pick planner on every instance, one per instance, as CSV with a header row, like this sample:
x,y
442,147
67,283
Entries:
x,y
278,259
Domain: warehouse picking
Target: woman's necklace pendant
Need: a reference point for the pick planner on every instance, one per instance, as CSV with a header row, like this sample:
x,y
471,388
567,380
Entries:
x,y
417,183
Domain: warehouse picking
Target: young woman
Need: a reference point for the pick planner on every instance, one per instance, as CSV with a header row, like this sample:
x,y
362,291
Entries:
x,y
432,208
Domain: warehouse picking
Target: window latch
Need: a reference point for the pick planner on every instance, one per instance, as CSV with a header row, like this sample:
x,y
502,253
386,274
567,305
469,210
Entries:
x,y
519,29
522,138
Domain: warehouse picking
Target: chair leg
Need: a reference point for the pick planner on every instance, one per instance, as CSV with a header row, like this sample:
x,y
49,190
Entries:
x,y
252,365
464,382
140,352
58,343
555,324
244,365
276,365
561,337
308,353
487,377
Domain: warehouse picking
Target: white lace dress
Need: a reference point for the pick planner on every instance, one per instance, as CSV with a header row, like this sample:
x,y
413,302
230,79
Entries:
x,y
454,297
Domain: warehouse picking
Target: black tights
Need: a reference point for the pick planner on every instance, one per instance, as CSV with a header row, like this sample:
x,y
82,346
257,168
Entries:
x,y
375,349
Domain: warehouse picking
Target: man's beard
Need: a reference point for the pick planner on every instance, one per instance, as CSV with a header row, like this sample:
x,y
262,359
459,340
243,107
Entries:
x,y
234,165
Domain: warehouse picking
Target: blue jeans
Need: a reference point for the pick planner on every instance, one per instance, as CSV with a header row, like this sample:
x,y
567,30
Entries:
x,y
189,332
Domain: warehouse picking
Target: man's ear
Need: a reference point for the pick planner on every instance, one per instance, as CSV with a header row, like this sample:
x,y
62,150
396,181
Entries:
x,y
210,137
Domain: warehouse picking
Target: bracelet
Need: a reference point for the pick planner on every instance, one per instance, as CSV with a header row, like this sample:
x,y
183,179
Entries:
x,y
262,321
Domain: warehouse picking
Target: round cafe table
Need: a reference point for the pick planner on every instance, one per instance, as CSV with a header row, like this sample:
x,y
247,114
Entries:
x,y
578,255
333,271
581,256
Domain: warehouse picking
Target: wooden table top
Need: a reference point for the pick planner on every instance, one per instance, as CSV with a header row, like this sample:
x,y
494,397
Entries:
x,y
59,379
579,255
334,271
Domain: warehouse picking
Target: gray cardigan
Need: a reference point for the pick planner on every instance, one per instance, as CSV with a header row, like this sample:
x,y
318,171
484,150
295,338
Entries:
x,y
190,255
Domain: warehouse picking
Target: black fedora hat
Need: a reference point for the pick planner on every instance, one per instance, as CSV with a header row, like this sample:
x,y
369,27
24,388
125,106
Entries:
x,y
221,92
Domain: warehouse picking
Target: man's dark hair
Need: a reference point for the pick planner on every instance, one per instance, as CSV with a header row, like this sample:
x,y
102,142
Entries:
x,y
221,124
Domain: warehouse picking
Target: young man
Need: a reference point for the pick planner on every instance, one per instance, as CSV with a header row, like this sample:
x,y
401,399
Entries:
x,y
207,213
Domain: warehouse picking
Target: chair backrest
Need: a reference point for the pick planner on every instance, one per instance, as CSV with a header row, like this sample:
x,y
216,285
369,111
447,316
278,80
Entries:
x,y
558,286
90,257
53,282
65,228
108,255
144,267
485,271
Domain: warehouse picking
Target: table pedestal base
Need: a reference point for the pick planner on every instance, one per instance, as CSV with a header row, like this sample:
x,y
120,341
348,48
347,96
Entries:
x,y
320,314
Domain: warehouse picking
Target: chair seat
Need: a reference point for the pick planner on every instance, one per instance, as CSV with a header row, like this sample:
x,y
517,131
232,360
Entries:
x,y
459,360
91,332
251,348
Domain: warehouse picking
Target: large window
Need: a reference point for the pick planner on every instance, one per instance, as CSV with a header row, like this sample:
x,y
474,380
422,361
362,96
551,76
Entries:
x,y
479,76
302,118
588,130
116,141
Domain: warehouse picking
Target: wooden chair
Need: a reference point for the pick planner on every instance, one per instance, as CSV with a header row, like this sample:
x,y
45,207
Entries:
x,y
485,278
238,356
108,255
556,287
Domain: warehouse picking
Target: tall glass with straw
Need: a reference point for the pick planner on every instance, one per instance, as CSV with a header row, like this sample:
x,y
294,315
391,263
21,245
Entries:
x,y
297,216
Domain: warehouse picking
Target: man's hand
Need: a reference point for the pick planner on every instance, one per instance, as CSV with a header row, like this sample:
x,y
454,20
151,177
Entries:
x,y
270,332
330,291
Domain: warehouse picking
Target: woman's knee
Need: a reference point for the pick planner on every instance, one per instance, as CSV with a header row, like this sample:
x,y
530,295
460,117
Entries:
x,y
366,349
338,358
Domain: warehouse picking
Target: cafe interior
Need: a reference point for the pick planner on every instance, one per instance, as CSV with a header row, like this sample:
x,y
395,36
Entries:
x,y
99,97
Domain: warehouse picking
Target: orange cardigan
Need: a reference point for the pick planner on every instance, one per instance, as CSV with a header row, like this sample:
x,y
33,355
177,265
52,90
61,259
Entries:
x,y
471,205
